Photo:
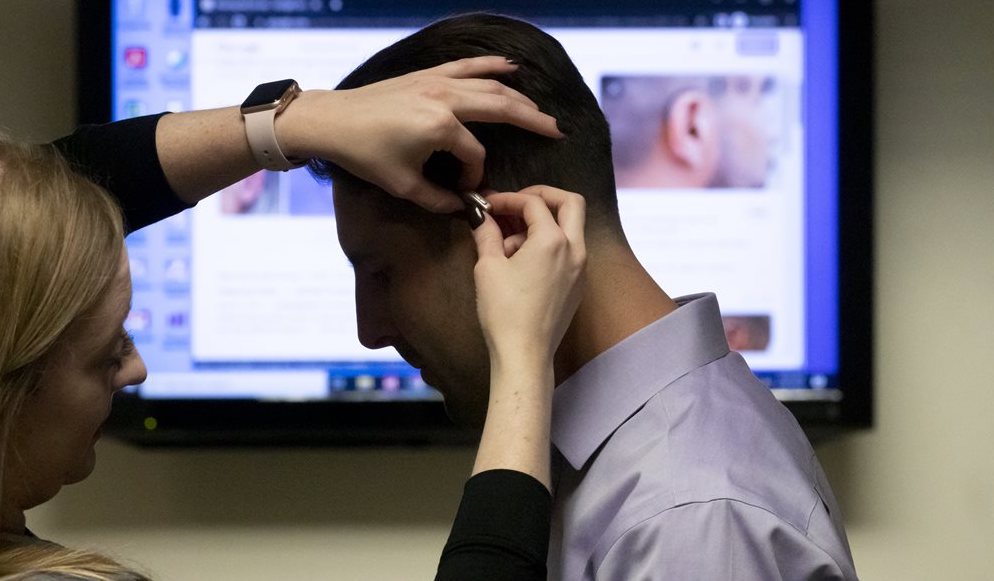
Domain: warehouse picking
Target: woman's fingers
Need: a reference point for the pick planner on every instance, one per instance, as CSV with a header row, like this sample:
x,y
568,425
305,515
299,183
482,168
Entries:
x,y
531,210
470,153
536,204
570,209
495,88
472,98
513,243
547,213
476,100
406,119
428,195
489,240
528,282
480,66
487,107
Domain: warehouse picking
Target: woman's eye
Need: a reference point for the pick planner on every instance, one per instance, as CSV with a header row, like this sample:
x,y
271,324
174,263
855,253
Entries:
x,y
126,348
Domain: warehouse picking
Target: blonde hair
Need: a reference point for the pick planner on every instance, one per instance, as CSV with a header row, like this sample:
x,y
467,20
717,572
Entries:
x,y
60,245
50,561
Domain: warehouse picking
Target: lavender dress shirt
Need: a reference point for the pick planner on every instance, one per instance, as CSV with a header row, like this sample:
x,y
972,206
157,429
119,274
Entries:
x,y
672,461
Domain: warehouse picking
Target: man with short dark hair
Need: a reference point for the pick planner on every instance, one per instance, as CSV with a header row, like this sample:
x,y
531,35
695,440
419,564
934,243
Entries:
x,y
671,460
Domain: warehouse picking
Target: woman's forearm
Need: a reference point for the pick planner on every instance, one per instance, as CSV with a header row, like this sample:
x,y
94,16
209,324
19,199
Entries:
x,y
516,433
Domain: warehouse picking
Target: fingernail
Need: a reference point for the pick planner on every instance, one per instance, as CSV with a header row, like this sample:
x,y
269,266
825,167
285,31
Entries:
x,y
475,217
511,61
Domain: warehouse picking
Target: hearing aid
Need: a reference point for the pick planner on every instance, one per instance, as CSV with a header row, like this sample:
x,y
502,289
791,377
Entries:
x,y
476,207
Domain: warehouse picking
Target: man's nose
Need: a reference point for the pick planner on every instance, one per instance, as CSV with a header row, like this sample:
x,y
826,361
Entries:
x,y
373,321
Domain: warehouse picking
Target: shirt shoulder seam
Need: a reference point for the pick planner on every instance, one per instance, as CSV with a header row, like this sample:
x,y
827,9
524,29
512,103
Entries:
x,y
737,501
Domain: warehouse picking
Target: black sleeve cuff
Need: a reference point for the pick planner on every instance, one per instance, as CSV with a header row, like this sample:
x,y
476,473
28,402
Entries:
x,y
501,530
122,157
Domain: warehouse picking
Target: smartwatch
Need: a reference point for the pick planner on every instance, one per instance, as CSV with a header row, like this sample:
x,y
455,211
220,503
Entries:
x,y
259,110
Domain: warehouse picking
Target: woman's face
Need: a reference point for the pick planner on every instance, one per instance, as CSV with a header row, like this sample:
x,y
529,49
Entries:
x,y
55,433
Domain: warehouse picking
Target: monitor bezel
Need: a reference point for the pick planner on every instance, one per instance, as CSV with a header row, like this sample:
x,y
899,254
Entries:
x,y
200,422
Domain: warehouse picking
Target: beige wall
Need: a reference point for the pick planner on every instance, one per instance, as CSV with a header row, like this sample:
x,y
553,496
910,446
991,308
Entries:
x,y
37,58
918,490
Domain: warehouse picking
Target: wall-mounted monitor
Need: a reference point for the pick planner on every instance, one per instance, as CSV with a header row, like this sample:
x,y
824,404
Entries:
x,y
243,306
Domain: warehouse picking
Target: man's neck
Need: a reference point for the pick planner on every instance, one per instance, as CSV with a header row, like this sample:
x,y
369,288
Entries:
x,y
619,299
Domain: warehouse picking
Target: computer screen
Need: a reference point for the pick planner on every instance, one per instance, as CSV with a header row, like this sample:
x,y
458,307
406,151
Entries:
x,y
248,297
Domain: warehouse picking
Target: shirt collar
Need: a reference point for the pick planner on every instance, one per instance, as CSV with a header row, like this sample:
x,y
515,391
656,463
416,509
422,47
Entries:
x,y
589,406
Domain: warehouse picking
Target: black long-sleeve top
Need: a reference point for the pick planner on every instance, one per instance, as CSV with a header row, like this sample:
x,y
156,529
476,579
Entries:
x,y
501,531
123,159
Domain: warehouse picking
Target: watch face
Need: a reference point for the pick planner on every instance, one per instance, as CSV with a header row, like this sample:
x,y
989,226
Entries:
x,y
267,95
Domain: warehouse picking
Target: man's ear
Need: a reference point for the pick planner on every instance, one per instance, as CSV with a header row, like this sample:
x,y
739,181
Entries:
x,y
689,130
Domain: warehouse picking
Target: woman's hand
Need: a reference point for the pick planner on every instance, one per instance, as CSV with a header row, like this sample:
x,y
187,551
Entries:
x,y
528,284
383,133
528,287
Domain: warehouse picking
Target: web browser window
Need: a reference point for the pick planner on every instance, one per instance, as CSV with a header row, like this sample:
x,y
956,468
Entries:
x,y
249,295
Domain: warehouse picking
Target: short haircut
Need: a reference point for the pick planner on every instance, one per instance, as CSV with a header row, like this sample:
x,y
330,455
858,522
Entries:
x,y
581,162
637,105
